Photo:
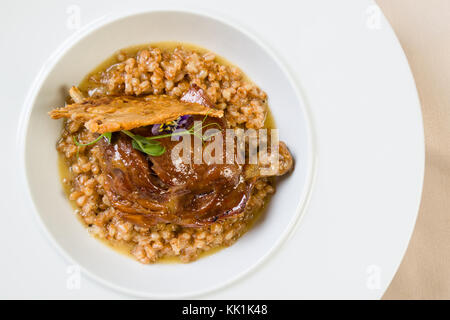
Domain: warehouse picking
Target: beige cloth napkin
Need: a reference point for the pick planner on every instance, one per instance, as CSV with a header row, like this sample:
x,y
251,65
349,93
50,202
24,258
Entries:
x,y
423,28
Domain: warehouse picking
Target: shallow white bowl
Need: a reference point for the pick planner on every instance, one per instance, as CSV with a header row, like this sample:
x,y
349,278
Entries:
x,y
84,52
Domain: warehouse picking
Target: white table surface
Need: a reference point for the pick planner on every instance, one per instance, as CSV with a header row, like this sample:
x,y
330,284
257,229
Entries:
x,y
349,189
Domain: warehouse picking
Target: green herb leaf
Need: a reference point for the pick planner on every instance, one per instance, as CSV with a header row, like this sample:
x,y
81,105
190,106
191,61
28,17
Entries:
x,y
140,143
150,149
107,135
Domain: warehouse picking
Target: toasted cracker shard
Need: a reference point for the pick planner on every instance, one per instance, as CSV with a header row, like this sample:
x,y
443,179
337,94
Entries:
x,y
110,114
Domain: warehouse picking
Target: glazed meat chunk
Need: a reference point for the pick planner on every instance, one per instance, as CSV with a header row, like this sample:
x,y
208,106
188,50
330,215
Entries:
x,y
153,189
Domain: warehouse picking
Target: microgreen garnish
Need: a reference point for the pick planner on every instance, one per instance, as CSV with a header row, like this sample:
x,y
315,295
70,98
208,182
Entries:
x,y
194,130
143,144
107,135
149,145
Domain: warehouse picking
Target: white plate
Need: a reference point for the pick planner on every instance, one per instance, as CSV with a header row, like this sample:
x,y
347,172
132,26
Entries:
x,y
73,62
369,136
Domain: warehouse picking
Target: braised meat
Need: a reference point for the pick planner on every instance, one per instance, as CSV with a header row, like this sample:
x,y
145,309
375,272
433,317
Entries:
x,y
147,190
153,189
